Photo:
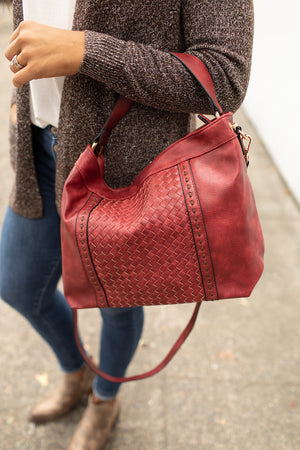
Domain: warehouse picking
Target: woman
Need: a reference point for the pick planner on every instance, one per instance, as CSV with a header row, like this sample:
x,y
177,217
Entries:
x,y
67,81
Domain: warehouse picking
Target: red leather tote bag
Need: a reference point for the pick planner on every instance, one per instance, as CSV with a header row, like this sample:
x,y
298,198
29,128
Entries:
x,y
186,230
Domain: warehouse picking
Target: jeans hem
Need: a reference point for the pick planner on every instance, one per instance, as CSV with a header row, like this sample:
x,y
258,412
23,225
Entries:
x,y
104,396
66,370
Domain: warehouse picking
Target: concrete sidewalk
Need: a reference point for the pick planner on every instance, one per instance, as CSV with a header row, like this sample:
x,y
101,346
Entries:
x,y
235,383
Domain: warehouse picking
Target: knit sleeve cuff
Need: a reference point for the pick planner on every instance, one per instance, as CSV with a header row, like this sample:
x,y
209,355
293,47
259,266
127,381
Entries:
x,y
103,58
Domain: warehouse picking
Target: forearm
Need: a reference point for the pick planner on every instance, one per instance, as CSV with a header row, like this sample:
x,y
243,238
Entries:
x,y
218,33
221,36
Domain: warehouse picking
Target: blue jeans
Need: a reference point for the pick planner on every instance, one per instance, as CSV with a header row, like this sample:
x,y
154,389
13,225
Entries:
x,y
30,268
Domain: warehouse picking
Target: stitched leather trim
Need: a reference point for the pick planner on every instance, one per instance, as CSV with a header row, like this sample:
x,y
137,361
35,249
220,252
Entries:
x,y
209,278
81,230
199,230
190,219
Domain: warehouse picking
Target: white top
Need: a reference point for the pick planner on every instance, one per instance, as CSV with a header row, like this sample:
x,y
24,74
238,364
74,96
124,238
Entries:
x,y
45,94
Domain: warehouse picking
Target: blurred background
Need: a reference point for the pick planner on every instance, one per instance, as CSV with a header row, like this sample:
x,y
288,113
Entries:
x,y
273,96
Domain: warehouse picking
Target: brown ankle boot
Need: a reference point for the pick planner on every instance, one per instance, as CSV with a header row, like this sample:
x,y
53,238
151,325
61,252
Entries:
x,y
65,397
96,424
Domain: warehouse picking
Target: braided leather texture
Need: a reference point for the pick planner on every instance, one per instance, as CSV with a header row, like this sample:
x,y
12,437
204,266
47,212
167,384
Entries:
x,y
138,265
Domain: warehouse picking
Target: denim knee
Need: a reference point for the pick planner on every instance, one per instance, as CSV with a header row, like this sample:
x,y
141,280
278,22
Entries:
x,y
16,291
8,286
24,287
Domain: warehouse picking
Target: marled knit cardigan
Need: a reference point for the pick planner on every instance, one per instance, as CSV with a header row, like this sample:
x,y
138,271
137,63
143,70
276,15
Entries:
x,y
126,52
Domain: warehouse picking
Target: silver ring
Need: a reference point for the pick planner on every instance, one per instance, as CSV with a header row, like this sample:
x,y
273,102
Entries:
x,y
15,62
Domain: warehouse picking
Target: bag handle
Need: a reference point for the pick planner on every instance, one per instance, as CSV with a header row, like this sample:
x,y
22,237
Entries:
x,y
194,66
198,69
176,346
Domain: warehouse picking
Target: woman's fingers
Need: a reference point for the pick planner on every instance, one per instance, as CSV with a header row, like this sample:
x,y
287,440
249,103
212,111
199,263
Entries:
x,y
15,34
13,51
15,64
22,76
15,43
39,51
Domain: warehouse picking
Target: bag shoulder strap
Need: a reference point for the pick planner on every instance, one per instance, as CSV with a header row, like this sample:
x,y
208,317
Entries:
x,y
198,69
193,65
183,336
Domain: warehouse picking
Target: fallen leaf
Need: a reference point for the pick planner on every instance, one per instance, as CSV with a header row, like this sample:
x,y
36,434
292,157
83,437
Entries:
x,y
227,354
143,343
42,378
31,429
244,302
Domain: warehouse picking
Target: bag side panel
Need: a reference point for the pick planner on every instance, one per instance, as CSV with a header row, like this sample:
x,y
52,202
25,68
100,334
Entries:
x,y
233,228
77,289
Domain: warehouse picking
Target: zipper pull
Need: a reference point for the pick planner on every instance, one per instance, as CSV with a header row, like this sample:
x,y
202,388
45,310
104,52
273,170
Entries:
x,y
245,140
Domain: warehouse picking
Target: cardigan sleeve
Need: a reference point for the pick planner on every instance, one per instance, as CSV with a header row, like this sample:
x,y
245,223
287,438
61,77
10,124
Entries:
x,y
219,33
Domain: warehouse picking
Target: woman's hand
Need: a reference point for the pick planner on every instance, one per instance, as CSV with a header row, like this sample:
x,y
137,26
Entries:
x,y
44,52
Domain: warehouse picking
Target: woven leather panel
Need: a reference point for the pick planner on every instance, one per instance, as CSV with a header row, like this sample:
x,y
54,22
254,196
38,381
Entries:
x,y
134,267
